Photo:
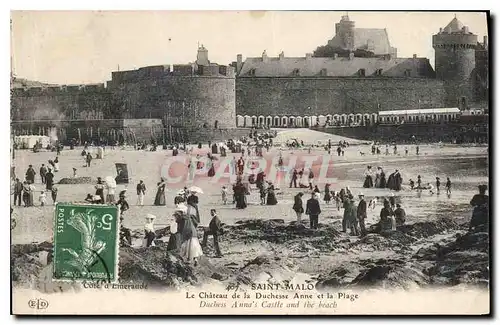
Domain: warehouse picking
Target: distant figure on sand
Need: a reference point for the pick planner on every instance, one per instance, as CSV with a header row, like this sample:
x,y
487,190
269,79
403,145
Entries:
x,y
43,172
141,191
30,174
271,196
88,159
99,189
160,193
49,180
328,195
448,186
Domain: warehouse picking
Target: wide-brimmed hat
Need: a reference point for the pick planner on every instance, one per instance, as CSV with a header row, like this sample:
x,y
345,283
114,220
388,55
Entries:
x,y
150,216
361,194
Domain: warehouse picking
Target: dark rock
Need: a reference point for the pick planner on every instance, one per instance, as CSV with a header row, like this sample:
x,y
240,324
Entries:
x,y
218,276
428,228
154,266
391,274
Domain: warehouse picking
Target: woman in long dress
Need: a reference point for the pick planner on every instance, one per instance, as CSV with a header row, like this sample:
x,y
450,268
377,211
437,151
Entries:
x,y
160,193
377,177
175,240
271,196
211,170
383,181
328,195
368,177
190,245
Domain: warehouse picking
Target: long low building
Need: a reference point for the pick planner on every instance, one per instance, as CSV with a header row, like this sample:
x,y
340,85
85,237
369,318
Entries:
x,y
419,115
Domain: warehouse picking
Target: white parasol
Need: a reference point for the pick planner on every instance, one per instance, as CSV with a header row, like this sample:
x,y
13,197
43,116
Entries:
x,y
195,189
110,181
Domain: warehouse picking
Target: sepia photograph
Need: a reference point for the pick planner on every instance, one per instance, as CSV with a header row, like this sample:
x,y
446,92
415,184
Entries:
x,y
250,162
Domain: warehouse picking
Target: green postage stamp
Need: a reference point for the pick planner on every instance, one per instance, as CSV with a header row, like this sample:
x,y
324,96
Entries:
x,y
86,242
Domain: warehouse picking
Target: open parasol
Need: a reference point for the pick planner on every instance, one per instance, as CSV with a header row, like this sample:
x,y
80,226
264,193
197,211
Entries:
x,y
195,189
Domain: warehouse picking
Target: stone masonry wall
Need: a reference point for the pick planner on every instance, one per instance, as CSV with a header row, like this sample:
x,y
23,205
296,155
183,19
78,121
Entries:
x,y
314,96
192,100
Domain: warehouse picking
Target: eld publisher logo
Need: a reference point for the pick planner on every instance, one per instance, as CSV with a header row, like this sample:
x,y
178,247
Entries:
x,y
38,304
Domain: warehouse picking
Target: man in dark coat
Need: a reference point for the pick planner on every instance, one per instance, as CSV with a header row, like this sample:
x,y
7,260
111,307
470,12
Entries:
x,y
18,190
361,214
43,172
49,180
214,229
313,210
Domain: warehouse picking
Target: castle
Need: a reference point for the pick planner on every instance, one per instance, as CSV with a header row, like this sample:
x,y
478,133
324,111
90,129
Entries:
x,y
289,90
358,73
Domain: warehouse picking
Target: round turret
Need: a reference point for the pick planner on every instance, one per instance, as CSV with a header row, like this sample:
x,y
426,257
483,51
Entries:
x,y
454,47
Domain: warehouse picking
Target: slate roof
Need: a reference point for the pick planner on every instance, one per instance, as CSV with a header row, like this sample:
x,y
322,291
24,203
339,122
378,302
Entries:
x,y
454,26
339,67
375,40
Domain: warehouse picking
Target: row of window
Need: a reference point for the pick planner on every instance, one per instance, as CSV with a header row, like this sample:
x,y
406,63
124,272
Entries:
x,y
323,72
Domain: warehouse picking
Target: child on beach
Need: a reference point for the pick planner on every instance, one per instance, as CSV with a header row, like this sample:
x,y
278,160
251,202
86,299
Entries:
x,y
430,188
42,198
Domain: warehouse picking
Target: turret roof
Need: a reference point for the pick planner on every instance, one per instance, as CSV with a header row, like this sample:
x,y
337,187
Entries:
x,y
455,26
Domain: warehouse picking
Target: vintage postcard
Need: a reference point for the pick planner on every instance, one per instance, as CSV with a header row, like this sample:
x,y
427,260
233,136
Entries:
x,y
250,162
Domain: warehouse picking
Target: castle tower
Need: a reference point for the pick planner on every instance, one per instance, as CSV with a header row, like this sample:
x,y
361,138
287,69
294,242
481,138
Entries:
x,y
202,57
344,30
455,61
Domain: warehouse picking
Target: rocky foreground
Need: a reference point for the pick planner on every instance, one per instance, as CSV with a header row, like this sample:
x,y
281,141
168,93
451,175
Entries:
x,y
434,253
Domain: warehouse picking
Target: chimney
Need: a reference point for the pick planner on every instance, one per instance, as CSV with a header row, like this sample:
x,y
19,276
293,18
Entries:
x,y
308,56
335,56
485,42
351,55
239,63
282,55
264,56
414,56
440,29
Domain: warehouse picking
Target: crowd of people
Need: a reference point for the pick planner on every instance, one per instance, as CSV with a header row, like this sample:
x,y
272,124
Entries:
x,y
184,233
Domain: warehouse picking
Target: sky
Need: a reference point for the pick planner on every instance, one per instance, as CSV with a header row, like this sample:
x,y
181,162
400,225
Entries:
x,y
75,47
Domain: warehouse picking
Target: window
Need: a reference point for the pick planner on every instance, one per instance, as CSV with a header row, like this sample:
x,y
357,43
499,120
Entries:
x,y
295,72
407,73
378,72
323,72
361,72
252,72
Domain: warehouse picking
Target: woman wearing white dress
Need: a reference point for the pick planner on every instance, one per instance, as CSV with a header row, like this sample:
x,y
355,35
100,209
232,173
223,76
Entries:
x,y
190,245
